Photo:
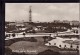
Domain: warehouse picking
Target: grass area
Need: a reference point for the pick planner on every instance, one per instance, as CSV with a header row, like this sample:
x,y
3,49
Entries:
x,y
72,42
37,46
25,44
11,41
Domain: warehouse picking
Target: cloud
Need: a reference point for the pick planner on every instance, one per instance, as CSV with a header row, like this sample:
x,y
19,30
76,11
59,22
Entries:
x,y
42,11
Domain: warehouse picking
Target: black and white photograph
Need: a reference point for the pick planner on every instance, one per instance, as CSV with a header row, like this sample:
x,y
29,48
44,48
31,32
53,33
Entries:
x,y
42,29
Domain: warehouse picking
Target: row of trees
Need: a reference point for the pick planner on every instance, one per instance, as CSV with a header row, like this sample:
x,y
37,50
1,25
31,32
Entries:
x,y
49,27
71,46
9,35
53,27
13,35
52,24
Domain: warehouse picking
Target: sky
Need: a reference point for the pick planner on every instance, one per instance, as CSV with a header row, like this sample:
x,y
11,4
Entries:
x,y
42,12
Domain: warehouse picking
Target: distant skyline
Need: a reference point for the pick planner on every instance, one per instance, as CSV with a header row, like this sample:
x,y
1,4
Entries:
x,y
43,12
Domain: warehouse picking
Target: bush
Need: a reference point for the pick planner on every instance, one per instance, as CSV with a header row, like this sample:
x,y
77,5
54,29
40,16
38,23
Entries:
x,y
49,52
33,39
14,53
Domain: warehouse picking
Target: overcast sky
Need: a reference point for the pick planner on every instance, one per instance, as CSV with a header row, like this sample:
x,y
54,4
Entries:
x,y
44,12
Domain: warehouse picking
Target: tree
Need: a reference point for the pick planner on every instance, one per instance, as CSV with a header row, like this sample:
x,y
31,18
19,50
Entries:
x,y
77,47
49,44
13,34
71,46
24,34
60,46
